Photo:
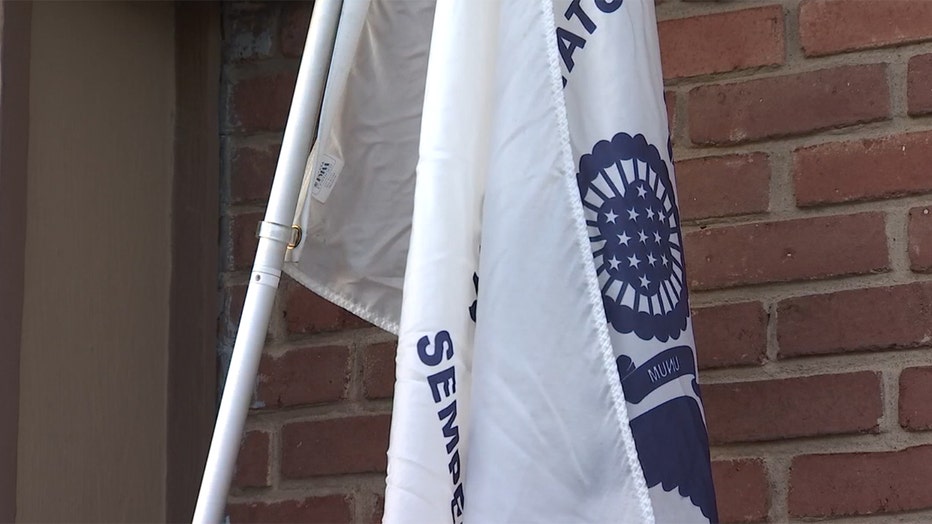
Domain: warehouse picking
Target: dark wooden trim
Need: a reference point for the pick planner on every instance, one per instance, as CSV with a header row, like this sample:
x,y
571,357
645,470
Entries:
x,y
192,370
15,18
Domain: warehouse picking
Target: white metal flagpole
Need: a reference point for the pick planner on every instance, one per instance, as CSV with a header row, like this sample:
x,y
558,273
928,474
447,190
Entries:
x,y
275,233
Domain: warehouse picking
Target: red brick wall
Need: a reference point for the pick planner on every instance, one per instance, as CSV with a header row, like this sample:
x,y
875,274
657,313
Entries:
x,y
804,168
805,173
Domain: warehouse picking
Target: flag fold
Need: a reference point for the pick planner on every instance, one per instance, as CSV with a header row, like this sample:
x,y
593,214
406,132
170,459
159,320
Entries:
x,y
493,182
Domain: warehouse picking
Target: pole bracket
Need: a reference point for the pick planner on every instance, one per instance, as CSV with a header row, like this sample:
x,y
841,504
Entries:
x,y
289,235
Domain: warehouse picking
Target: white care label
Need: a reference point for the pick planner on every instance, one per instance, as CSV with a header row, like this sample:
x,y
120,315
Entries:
x,y
325,177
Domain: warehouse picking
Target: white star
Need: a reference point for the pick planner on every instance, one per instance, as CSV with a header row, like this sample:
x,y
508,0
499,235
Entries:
x,y
614,262
611,216
650,213
664,259
644,281
623,238
634,261
651,259
641,191
656,237
642,237
632,214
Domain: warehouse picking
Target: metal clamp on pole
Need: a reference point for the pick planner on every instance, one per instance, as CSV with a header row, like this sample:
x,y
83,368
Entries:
x,y
274,239
276,232
271,275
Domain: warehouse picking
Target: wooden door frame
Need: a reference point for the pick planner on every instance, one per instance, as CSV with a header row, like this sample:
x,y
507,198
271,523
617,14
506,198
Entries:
x,y
192,369
192,361
16,18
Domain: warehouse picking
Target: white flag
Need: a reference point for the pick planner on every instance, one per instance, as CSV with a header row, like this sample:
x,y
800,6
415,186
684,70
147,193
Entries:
x,y
546,366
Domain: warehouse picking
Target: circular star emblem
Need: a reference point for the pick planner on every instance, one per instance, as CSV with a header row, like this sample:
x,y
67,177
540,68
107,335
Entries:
x,y
634,228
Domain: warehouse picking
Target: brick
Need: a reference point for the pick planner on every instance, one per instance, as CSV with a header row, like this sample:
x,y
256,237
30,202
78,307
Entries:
x,y
871,169
788,105
304,376
723,186
306,313
243,239
252,463
915,393
880,318
234,296
335,446
920,239
800,249
261,103
722,42
252,168
378,511
669,100
296,18
330,509
742,490
731,335
861,483
248,34
919,85
378,370
793,407
835,26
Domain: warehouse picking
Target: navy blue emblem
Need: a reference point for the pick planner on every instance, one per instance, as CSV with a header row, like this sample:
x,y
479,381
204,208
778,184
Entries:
x,y
631,212
671,439
635,233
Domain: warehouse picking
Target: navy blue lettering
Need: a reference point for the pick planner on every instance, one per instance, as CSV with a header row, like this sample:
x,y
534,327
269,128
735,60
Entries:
x,y
442,385
568,43
446,379
454,466
608,6
457,504
442,344
661,369
430,359
575,10
450,431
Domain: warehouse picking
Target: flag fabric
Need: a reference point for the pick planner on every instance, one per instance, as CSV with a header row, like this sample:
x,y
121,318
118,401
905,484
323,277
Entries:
x,y
356,204
493,182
